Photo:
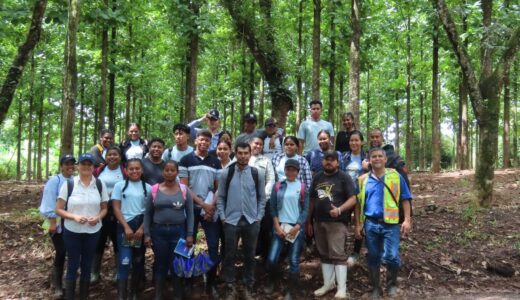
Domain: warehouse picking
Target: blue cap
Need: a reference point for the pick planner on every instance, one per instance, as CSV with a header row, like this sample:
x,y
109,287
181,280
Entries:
x,y
66,158
87,157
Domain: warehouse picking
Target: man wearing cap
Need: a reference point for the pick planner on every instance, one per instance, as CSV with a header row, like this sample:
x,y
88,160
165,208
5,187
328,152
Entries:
x,y
250,130
308,131
273,139
181,136
212,118
332,197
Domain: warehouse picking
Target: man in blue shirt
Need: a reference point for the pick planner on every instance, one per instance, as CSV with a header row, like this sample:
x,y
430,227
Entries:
x,y
381,192
212,118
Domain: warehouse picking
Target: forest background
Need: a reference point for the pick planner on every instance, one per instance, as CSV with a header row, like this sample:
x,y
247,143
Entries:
x,y
439,77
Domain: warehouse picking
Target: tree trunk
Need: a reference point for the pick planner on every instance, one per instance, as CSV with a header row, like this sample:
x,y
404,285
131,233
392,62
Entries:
x,y
397,127
505,137
261,97
355,59
332,71
19,141
299,70
112,76
243,88
82,129
40,130
104,72
368,104
128,97
436,127
191,74
70,80
422,135
316,50
252,90
47,152
30,125
15,71
409,132
462,141
515,117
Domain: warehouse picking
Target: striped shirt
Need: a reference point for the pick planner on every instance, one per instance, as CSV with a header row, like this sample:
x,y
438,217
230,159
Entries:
x,y
304,175
202,173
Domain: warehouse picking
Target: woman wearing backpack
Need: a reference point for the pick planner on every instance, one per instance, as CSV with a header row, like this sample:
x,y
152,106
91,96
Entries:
x,y
289,209
168,217
82,203
128,199
48,210
110,173
290,150
134,146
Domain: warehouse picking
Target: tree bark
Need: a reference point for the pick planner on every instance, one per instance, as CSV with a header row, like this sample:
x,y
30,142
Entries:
x,y
112,73
515,117
261,97
252,90
332,71
409,132
243,87
462,141
368,104
505,137
355,59
15,71
422,134
104,72
316,50
40,130
191,74
299,70
19,141
30,138
436,127
397,127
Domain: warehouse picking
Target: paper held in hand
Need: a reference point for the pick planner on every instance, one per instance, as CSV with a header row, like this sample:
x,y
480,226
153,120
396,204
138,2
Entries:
x,y
183,250
287,228
209,200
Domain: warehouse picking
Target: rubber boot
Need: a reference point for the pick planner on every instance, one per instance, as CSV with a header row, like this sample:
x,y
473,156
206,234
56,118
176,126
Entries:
x,y
84,286
159,287
122,289
341,281
96,266
328,280
211,289
70,290
57,276
273,274
373,276
178,289
292,287
391,281
136,287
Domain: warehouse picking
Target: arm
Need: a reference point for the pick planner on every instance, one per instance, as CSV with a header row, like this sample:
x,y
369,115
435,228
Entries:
x,y
358,226
102,213
48,203
270,179
148,215
306,175
221,195
193,126
306,207
406,227
262,202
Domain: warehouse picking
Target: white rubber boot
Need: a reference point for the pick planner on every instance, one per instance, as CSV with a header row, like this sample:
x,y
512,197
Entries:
x,y
341,281
328,280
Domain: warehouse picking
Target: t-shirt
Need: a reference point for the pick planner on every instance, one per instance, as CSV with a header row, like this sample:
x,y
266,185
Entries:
x,y
201,173
84,201
342,142
375,193
291,203
152,173
245,137
308,131
280,167
176,154
110,178
270,152
135,150
169,209
327,189
132,199
354,167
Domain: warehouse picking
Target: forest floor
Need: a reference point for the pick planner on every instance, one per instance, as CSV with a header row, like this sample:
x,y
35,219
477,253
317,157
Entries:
x,y
451,253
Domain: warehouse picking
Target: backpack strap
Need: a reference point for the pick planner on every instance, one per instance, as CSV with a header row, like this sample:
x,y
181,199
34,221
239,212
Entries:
x,y
254,173
302,194
170,153
99,186
155,188
100,148
277,186
70,187
231,172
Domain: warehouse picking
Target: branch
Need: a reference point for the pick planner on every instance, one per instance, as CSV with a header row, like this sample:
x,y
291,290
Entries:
x,y
507,58
15,72
462,56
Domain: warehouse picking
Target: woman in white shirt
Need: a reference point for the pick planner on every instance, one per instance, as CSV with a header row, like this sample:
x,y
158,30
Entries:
x,y
82,207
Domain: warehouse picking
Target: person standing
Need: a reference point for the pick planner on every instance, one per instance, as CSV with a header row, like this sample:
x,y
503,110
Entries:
x,y
134,146
240,205
332,200
181,135
315,157
343,136
48,210
82,203
99,150
273,139
381,191
212,118
290,146
153,164
309,128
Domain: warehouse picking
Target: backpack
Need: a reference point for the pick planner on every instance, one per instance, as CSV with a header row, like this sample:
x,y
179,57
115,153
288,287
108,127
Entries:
x,y
302,191
155,188
231,172
70,187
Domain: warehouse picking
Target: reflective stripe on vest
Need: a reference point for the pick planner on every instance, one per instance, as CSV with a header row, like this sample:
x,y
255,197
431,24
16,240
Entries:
x,y
390,208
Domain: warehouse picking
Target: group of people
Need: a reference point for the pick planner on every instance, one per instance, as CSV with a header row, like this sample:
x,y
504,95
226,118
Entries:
x,y
271,191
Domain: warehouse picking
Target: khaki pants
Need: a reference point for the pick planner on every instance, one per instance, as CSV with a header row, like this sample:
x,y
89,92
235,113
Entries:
x,y
330,240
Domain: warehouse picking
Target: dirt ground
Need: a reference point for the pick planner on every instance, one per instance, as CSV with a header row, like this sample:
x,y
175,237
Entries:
x,y
452,253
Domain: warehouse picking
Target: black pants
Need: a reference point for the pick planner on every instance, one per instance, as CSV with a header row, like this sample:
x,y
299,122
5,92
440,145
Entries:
x,y
59,247
109,230
266,233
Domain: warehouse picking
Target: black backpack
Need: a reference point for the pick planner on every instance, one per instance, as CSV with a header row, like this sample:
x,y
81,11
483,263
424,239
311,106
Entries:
x,y
231,172
70,187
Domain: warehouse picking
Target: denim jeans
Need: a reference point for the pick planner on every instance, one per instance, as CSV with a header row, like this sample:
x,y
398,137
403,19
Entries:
x,y
249,234
382,241
213,233
164,239
295,250
130,256
80,249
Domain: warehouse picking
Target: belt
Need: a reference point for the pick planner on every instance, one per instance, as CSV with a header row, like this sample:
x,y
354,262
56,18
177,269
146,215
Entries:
x,y
379,220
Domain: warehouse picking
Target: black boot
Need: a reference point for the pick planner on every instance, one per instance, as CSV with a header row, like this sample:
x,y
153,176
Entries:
x,y
273,275
96,267
211,287
391,280
292,287
136,287
122,289
83,289
57,275
178,289
70,289
373,276
159,286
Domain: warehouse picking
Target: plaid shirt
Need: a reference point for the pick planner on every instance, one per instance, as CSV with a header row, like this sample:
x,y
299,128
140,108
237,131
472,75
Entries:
x,y
304,175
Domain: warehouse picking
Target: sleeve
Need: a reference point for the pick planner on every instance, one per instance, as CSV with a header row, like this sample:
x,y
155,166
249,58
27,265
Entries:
x,y
116,192
189,214
273,202
262,202
221,194
308,157
331,129
183,167
349,186
270,179
301,131
305,173
342,166
48,203
305,212
104,192
165,154
406,195
64,190
193,127
148,215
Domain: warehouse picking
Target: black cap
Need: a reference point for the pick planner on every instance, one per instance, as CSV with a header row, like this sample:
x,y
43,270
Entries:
x,y
66,158
250,117
292,163
87,157
214,114
331,153
269,122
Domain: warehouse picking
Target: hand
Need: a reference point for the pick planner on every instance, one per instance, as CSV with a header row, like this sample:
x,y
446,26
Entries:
x,y
208,208
129,233
272,140
189,241
365,164
147,241
358,232
92,221
80,219
309,231
280,232
294,231
335,211
138,235
208,217
406,227
52,227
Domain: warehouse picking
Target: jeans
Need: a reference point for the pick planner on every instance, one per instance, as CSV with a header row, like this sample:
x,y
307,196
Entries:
x,y
80,249
164,239
295,250
130,255
382,241
109,230
213,233
59,247
249,234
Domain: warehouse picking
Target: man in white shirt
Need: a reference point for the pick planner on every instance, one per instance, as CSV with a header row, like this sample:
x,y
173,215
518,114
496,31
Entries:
x,y
309,129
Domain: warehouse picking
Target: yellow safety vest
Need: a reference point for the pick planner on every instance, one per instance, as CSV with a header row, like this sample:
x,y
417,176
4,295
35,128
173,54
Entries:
x,y
390,207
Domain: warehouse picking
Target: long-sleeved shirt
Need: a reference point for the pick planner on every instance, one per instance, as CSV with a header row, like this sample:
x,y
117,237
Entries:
x,y
193,125
265,170
242,199
50,195
305,171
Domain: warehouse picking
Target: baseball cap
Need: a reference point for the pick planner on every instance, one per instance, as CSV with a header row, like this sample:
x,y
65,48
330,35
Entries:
x,y
66,158
87,157
250,117
214,114
269,122
292,163
330,153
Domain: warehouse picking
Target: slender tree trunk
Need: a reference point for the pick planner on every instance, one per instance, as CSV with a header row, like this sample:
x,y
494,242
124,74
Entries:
x,y
15,71
40,129
436,127
128,102
82,130
252,90
462,144
112,75
505,137
243,87
355,58
422,134
397,127
368,104
316,50
299,71
332,72
70,80
104,72
19,141
515,110
191,74
409,132
30,128
47,151
261,97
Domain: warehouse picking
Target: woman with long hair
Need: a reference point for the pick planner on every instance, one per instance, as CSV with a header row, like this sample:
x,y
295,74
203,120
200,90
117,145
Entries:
x,y
134,146
290,150
349,125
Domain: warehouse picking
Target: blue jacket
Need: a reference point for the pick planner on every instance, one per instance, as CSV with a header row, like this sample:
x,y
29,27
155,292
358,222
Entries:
x,y
277,199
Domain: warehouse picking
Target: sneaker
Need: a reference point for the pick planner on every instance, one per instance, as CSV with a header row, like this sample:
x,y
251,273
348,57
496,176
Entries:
x,y
352,260
231,293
